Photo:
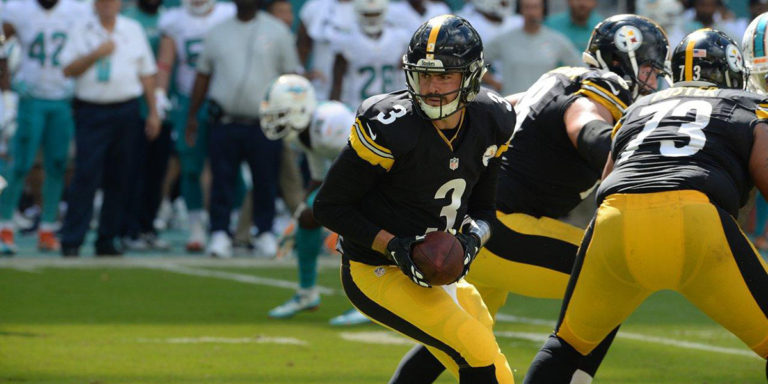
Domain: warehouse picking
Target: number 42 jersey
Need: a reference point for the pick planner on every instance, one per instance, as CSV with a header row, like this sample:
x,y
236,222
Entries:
x,y
400,173
687,138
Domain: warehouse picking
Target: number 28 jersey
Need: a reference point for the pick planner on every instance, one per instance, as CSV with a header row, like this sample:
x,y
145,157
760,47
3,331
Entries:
x,y
687,138
415,180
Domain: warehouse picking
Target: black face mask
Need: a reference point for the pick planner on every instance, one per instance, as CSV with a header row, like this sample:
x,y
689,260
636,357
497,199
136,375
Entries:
x,y
47,4
150,6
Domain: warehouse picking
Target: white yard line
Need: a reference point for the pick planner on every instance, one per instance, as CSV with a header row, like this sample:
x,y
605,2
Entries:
x,y
541,337
225,340
192,266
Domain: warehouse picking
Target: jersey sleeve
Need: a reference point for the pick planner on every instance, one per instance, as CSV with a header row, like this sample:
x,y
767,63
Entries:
x,y
166,23
607,89
368,143
11,12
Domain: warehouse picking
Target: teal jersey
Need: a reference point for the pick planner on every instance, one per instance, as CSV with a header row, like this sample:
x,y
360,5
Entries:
x,y
578,34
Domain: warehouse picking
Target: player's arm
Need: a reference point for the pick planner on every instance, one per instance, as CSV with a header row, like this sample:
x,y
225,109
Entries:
x,y
337,202
304,45
589,125
758,160
5,73
351,177
166,56
339,69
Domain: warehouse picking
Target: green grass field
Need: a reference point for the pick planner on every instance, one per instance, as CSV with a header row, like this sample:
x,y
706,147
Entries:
x,y
194,320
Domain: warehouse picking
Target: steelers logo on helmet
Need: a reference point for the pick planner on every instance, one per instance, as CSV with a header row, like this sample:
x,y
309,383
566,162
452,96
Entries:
x,y
628,38
735,61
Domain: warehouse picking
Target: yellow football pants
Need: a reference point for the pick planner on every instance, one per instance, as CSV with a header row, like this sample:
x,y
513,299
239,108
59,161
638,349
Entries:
x,y
526,255
677,240
451,321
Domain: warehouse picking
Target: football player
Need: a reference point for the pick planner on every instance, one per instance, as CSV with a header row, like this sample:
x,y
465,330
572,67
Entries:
x,y
290,110
562,138
420,160
356,76
681,164
45,114
183,30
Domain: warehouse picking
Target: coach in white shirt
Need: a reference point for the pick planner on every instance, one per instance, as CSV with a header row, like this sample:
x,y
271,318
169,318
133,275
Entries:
x,y
110,58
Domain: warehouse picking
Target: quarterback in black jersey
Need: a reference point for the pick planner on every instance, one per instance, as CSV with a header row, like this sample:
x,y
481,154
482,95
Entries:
x,y
424,160
682,162
555,158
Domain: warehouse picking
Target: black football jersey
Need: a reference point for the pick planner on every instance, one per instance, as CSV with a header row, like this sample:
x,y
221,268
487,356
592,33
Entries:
x,y
687,138
424,181
542,173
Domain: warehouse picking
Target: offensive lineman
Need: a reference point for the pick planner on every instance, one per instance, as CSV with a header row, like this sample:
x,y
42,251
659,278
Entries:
x,y
681,164
423,160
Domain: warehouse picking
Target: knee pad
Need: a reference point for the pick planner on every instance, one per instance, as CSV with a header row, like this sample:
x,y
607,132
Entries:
x,y
478,375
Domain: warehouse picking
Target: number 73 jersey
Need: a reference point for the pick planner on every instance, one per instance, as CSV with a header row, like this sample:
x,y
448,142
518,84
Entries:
x,y
424,183
687,138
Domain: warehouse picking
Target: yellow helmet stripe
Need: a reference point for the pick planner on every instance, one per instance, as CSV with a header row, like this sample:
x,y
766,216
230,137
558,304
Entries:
x,y
689,60
761,111
435,23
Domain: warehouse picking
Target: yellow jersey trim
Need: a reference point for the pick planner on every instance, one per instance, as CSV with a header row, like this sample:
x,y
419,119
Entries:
x,y
761,111
368,149
604,97
615,129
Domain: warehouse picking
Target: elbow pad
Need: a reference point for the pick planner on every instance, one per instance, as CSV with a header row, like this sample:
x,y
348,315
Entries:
x,y
594,143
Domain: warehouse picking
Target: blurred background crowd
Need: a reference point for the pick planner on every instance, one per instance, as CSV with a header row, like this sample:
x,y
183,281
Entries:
x,y
133,124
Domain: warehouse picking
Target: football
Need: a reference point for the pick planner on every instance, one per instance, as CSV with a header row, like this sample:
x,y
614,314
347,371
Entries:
x,y
440,257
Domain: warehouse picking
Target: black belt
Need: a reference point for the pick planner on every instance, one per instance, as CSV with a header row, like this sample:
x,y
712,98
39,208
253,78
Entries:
x,y
82,103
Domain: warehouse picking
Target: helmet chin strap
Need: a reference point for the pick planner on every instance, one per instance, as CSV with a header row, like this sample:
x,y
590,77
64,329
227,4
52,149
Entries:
x,y
442,111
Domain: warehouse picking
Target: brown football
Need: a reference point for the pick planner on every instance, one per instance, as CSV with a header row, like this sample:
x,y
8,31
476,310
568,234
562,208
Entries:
x,y
440,257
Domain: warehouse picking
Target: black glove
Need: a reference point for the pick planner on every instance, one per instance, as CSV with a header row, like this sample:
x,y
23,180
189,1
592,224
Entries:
x,y
471,244
399,251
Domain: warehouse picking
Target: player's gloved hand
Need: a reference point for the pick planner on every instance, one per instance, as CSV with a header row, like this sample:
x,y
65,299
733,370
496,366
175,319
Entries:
x,y
399,250
471,244
162,103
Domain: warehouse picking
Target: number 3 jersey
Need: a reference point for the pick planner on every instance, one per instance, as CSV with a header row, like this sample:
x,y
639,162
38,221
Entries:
x,y
542,173
188,31
687,138
43,35
401,174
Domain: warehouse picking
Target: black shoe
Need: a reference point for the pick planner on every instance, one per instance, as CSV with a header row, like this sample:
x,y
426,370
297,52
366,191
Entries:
x,y
70,251
108,250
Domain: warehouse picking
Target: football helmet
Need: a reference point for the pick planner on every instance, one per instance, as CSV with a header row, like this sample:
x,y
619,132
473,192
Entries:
x,y
709,57
199,7
287,107
371,15
444,44
498,8
754,45
624,43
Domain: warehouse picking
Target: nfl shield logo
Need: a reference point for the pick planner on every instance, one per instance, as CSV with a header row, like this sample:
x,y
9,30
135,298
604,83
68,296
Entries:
x,y
454,163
